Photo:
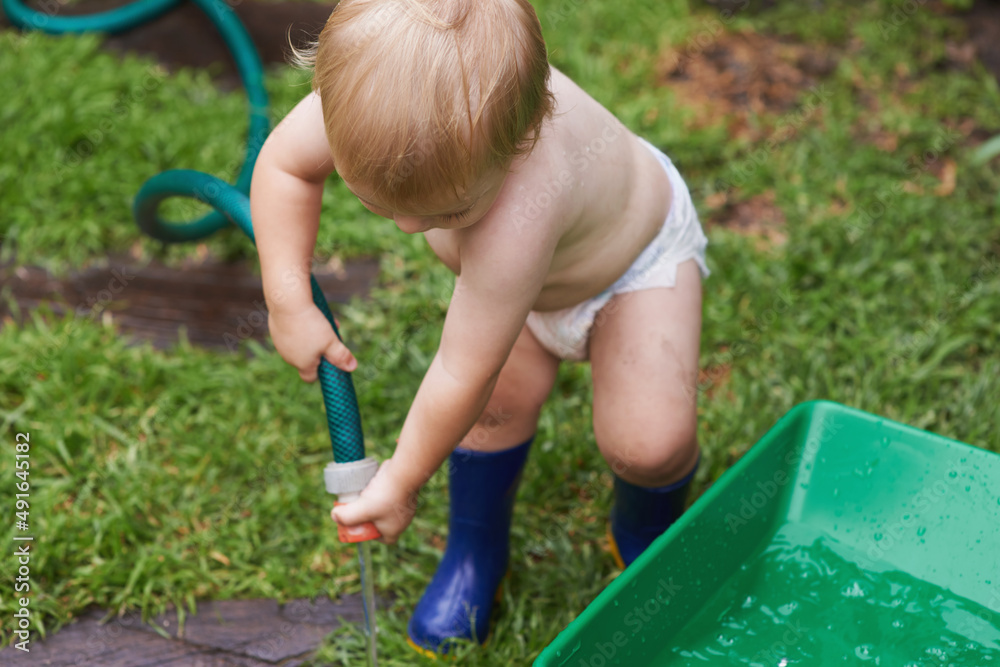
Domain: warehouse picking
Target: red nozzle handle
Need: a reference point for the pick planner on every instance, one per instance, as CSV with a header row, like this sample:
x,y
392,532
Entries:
x,y
362,533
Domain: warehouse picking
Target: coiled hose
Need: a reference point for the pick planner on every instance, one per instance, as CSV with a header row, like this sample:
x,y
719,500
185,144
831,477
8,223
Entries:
x,y
230,202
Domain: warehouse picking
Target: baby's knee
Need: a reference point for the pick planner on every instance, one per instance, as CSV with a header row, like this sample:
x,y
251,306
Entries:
x,y
650,455
520,402
510,417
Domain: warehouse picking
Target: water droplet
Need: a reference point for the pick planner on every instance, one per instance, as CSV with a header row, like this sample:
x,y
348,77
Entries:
x,y
787,609
854,590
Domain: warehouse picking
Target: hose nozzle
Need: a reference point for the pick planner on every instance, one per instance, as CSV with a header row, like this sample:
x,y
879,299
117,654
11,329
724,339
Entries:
x,y
347,481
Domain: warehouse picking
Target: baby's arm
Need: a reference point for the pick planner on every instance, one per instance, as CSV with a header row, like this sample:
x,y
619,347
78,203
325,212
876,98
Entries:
x,y
502,275
285,197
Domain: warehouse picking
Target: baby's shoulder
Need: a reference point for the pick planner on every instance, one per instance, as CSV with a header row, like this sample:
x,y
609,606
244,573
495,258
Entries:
x,y
542,192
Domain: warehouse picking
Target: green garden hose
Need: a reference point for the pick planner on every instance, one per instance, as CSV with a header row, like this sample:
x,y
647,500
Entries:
x,y
113,20
230,203
341,403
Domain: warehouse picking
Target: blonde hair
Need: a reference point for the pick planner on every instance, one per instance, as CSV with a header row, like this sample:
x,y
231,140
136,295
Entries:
x,y
424,96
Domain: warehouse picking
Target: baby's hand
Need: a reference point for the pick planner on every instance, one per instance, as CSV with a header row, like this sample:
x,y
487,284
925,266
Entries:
x,y
385,502
301,338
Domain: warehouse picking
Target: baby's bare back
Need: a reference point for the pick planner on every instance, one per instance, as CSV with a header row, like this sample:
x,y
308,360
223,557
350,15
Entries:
x,y
591,184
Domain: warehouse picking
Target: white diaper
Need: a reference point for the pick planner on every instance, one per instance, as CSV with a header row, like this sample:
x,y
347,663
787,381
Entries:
x,y
565,333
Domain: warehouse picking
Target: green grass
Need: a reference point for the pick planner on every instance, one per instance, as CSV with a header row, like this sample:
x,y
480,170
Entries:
x,y
172,476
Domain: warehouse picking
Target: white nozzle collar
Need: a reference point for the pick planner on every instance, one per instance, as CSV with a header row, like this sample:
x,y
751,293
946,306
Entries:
x,y
349,478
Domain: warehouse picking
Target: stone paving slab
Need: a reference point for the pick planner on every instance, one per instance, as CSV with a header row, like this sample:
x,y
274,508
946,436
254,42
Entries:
x,y
237,633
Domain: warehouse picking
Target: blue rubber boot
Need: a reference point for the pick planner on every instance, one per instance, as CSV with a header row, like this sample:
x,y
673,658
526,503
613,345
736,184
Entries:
x,y
459,600
640,515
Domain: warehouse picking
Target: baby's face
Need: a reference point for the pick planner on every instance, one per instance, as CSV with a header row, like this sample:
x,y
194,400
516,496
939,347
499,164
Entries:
x,y
445,212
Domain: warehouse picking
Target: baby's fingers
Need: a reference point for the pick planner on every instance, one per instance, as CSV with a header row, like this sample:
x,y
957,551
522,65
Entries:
x,y
309,374
350,514
338,355
357,517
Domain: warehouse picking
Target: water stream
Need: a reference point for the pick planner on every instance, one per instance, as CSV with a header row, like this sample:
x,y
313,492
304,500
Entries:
x,y
368,597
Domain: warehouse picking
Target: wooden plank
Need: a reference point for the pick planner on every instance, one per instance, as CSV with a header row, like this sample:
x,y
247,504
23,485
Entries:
x,y
217,303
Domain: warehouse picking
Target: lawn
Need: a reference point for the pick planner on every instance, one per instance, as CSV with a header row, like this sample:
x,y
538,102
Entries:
x,y
855,256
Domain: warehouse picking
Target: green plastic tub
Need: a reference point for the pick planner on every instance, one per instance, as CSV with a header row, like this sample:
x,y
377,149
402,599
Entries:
x,y
841,538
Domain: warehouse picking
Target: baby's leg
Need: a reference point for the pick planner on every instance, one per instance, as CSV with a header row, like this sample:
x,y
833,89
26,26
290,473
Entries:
x,y
483,476
644,359
511,415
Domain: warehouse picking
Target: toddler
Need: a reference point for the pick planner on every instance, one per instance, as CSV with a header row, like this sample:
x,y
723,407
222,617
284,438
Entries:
x,y
570,238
